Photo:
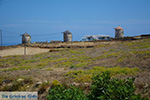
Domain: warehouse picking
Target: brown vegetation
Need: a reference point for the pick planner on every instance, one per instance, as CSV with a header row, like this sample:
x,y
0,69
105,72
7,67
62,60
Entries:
x,y
76,66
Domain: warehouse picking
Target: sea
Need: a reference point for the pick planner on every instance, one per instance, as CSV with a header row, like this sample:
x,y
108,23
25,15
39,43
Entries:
x,y
9,44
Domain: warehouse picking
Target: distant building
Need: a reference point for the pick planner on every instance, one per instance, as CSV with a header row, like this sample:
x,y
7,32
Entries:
x,y
145,35
40,42
119,33
26,38
67,36
95,37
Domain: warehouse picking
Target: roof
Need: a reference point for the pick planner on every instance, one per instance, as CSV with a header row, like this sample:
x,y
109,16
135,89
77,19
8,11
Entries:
x,y
120,28
101,35
97,36
67,32
25,34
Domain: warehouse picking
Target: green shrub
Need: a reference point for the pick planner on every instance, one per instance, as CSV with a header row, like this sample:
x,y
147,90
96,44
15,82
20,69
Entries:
x,y
83,78
85,75
73,73
17,68
105,88
49,69
56,83
73,67
83,64
65,93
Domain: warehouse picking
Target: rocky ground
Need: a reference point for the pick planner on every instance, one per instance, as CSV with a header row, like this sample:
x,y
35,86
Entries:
x,y
37,72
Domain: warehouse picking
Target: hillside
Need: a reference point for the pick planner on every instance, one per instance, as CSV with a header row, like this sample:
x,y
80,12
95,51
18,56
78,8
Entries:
x,y
76,66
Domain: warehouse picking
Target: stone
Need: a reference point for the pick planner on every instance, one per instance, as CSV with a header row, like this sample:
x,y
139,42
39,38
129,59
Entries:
x,y
20,80
75,84
38,83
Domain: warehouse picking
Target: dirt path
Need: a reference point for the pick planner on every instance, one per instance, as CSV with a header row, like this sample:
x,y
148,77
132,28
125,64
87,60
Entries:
x,y
20,51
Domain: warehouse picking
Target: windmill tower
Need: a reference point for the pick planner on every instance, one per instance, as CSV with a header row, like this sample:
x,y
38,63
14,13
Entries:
x,y
67,36
119,33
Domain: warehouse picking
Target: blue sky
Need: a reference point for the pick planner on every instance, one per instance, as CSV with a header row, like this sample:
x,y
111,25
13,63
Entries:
x,y
46,19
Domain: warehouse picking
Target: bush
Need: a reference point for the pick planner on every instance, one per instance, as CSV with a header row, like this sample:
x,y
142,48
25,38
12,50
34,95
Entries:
x,y
56,83
103,88
64,93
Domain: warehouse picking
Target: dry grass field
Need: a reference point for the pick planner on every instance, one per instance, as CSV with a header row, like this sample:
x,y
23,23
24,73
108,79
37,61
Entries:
x,y
20,51
37,72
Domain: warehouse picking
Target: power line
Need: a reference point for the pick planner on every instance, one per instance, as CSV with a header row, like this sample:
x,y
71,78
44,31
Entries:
x,y
33,35
11,32
16,34
47,34
10,36
1,40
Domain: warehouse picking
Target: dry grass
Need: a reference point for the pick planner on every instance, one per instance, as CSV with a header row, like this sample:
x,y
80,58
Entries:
x,y
20,51
55,64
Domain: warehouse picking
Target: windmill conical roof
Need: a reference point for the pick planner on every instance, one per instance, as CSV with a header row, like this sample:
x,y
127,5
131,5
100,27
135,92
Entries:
x,y
119,27
26,34
67,32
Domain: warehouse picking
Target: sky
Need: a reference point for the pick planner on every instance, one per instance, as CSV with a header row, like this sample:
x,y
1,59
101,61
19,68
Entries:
x,y
44,20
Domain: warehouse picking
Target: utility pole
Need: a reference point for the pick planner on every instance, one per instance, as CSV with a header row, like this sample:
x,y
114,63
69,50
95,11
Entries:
x,y
24,45
24,49
1,40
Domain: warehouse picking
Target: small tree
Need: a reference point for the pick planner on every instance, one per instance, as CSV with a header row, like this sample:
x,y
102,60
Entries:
x,y
105,88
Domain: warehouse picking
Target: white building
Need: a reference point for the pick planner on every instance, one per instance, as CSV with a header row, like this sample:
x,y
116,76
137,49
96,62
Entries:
x,y
95,37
